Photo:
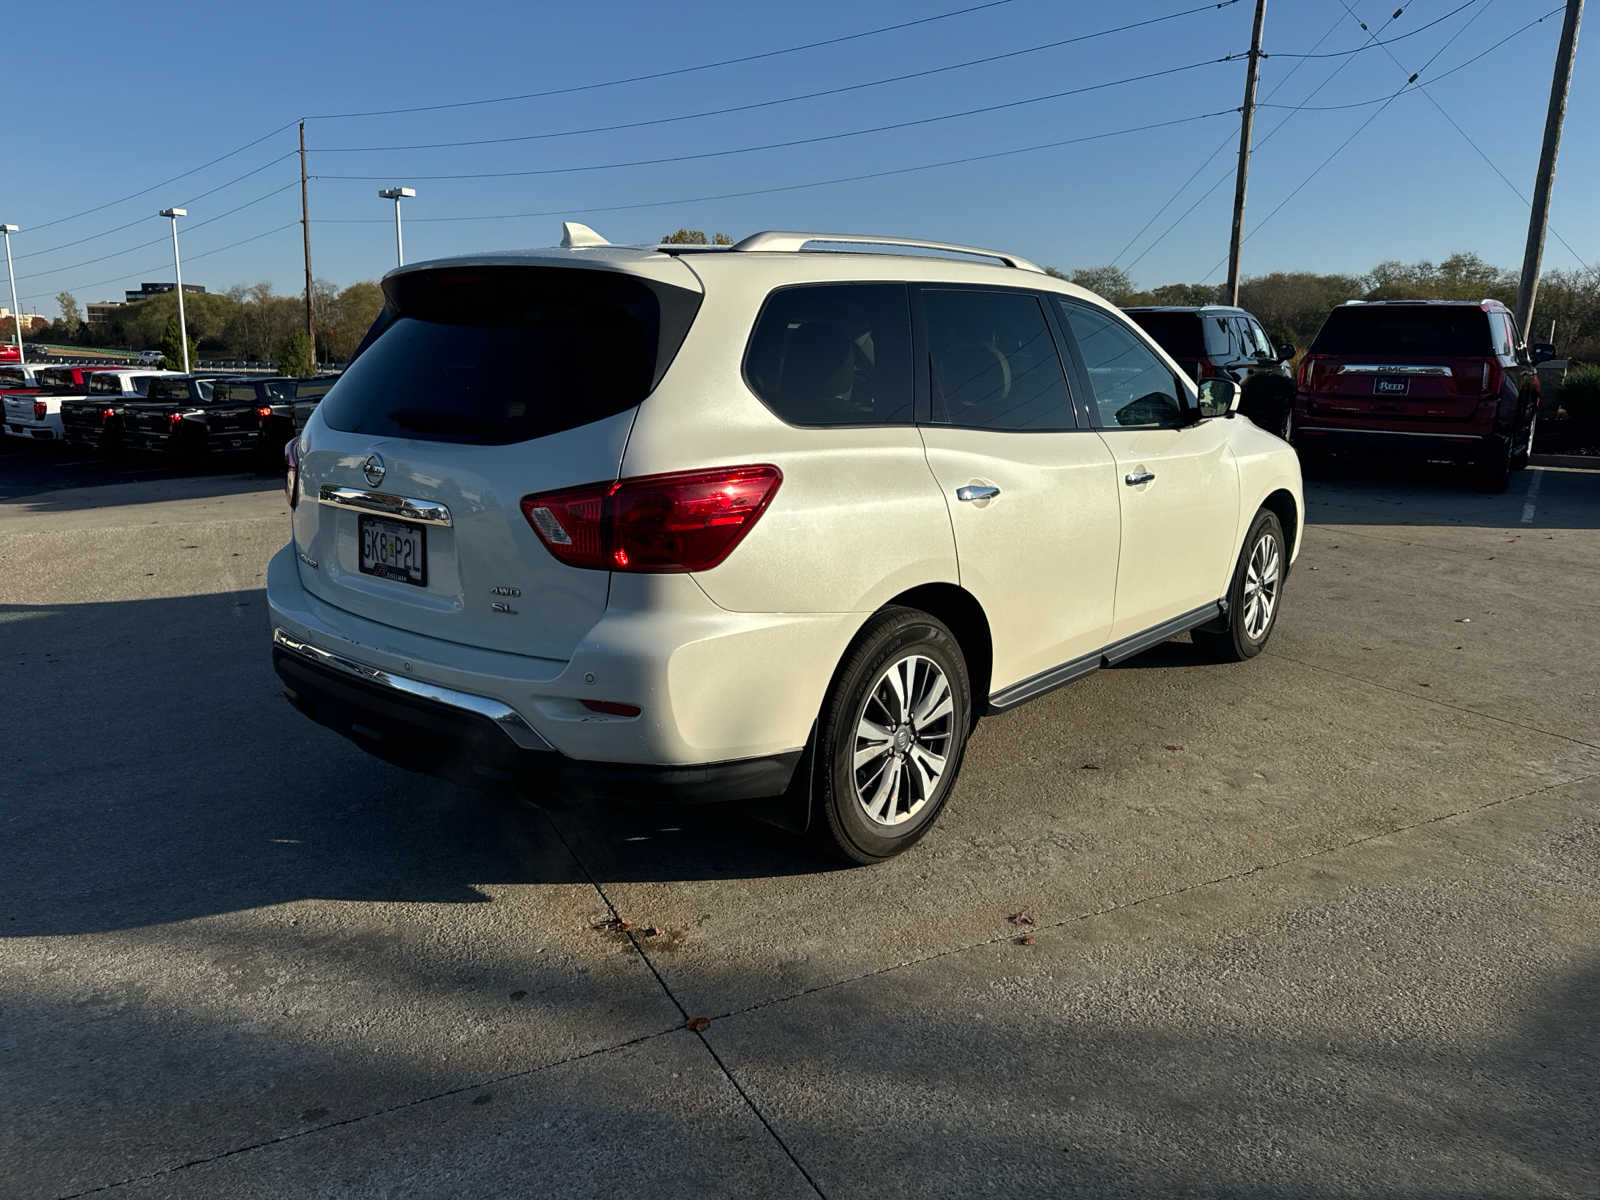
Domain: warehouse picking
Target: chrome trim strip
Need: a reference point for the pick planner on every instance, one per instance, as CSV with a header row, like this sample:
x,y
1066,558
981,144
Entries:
x,y
1464,437
1393,369
510,721
425,512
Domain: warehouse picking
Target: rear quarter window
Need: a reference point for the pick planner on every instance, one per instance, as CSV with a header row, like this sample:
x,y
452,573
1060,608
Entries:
x,y
1431,332
834,354
498,355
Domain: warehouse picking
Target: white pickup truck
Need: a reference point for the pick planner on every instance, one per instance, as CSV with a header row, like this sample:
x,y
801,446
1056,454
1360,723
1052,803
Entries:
x,y
38,415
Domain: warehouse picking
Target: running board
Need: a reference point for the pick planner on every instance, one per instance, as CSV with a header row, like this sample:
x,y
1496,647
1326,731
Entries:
x,y
1047,681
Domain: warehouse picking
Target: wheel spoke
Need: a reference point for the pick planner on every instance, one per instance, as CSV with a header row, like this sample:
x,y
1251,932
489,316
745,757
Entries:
x,y
882,804
867,753
936,703
930,766
897,690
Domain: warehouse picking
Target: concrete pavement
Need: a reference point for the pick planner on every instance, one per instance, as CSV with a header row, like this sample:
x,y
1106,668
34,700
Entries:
x,y
1318,924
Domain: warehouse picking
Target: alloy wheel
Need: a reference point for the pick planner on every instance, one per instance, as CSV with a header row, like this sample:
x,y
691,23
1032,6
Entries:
x,y
903,740
1261,580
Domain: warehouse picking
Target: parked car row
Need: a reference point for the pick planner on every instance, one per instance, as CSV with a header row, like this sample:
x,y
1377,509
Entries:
x,y
1436,379
114,410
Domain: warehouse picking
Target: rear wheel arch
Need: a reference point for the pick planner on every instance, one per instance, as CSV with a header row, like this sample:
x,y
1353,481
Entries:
x,y
964,616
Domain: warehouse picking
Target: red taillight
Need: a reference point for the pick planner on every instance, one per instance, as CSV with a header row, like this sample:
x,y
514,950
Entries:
x,y
612,708
1493,376
685,521
291,473
263,412
38,410
1308,368
174,418
107,414
1203,369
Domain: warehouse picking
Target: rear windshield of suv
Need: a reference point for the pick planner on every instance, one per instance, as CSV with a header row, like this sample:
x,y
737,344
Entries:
x,y
1437,331
1176,333
179,389
495,355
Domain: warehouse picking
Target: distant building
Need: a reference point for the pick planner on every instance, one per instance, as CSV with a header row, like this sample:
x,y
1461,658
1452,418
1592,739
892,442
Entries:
x,y
94,313
30,322
146,290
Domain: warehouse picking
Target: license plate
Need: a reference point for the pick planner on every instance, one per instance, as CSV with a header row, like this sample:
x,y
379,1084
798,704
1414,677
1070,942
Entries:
x,y
394,550
1391,387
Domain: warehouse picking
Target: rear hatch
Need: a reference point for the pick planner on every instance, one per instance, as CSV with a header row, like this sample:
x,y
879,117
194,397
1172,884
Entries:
x,y
485,382
1400,363
233,418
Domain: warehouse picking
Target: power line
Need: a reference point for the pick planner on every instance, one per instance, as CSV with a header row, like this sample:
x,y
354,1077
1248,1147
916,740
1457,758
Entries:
x,y
1456,125
760,104
792,187
157,240
174,179
676,71
1221,146
160,266
1223,178
1376,45
1339,149
141,220
807,141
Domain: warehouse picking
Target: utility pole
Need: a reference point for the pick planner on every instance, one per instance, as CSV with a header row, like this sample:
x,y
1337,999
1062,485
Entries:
x,y
1533,253
1246,129
305,226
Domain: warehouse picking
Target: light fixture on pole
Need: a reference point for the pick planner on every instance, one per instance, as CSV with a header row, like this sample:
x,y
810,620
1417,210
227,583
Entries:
x,y
16,313
397,194
177,269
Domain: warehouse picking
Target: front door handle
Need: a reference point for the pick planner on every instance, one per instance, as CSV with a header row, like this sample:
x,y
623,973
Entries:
x,y
1135,478
977,491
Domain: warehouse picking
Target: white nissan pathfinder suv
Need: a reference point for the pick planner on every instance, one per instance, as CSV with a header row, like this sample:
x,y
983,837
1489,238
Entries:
x,y
729,522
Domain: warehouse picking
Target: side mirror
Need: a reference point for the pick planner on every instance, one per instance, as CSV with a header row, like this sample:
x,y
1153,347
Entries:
x,y
1541,352
1218,398
1285,351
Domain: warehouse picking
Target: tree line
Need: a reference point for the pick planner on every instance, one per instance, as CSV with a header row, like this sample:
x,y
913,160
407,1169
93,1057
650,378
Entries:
x,y
1293,304
249,323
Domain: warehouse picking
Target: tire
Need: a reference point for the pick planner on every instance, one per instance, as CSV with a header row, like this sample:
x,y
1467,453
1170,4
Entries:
x,y
1520,456
1245,632
867,815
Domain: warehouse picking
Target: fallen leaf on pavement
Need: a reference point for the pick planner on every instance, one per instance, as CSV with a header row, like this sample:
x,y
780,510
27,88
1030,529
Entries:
x,y
696,1024
1020,918
1026,939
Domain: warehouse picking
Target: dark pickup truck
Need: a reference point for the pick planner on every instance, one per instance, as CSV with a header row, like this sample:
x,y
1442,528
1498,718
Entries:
x,y
284,416
95,419
169,418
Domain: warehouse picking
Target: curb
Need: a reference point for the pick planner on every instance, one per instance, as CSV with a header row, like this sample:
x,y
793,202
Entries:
x,y
1580,462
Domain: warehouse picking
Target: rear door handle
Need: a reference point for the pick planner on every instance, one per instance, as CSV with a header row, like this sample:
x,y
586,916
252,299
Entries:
x,y
1135,478
977,491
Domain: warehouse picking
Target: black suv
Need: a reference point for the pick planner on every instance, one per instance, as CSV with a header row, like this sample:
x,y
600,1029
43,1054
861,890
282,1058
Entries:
x,y
1219,341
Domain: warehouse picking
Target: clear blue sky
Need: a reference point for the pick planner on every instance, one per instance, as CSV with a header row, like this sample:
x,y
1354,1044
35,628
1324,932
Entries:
x,y
120,97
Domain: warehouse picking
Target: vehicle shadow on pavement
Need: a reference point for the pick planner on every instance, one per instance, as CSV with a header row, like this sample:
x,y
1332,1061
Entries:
x,y
59,479
1380,492
135,797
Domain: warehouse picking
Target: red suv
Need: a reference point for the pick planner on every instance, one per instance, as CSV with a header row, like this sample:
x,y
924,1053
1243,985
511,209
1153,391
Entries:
x,y
1425,378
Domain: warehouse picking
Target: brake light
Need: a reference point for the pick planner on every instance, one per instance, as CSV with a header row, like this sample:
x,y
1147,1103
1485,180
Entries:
x,y
291,472
38,410
1308,368
612,708
1204,370
263,412
174,418
1493,377
107,414
685,521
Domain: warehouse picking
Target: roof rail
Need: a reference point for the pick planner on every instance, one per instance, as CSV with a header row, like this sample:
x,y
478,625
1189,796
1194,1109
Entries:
x,y
786,240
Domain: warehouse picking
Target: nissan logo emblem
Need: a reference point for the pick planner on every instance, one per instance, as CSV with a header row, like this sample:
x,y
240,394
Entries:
x,y
374,470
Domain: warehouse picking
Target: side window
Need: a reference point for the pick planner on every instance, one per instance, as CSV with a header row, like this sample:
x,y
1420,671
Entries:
x,y
1255,338
1222,338
1133,389
993,362
834,354
1504,339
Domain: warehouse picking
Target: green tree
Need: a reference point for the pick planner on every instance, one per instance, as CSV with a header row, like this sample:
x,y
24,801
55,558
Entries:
x,y
1110,282
172,347
71,316
696,237
294,355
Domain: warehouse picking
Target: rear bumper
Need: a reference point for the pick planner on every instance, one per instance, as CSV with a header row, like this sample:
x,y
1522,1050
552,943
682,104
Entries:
x,y
727,698
1314,436
470,738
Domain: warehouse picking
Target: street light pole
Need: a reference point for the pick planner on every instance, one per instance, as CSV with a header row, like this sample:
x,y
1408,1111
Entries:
x,y
177,269
398,194
16,312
